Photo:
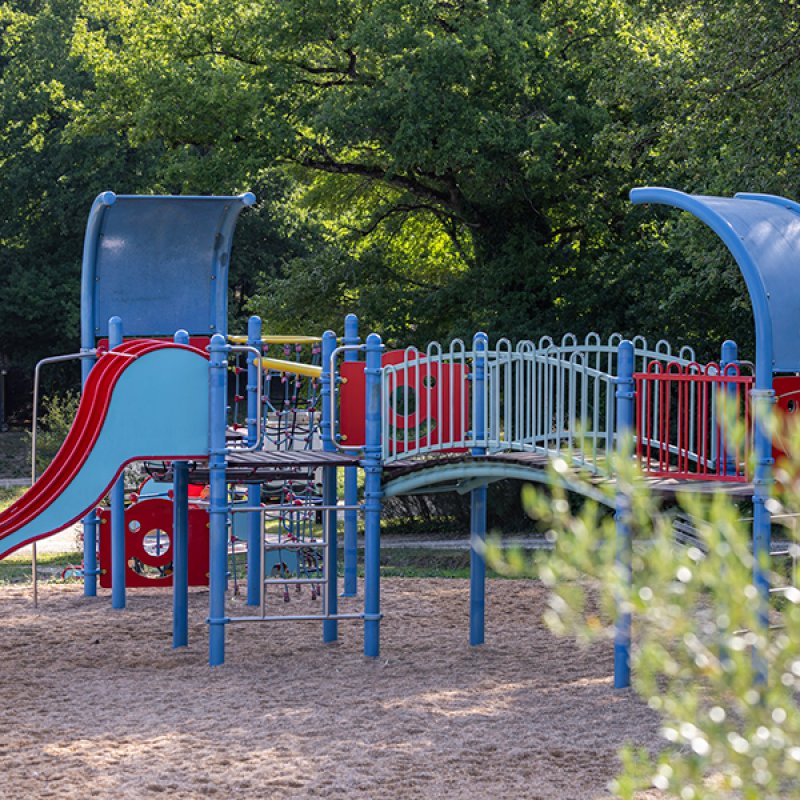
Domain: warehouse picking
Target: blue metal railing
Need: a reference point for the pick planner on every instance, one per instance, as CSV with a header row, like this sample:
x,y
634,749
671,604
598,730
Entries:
x,y
545,398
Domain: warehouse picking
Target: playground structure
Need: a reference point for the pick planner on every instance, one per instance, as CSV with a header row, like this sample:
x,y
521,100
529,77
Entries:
x,y
453,418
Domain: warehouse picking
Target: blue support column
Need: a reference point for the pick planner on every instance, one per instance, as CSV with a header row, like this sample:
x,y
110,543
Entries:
x,y
330,628
218,498
477,561
90,571
350,485
729,355
254,578
371,464
625,397
117,504
763,397
88,332
180,543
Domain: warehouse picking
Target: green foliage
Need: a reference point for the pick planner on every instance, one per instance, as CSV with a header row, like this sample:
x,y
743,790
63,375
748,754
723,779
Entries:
x,y
55,420
434,167
9,496
696,628
454,153
49,179
15,455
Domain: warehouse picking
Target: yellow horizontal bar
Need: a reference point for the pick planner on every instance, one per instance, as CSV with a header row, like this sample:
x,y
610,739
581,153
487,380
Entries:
x,y
278,339
294,367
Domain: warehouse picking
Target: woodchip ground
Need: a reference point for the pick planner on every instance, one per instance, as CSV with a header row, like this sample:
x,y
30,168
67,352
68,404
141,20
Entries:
x,y
96,702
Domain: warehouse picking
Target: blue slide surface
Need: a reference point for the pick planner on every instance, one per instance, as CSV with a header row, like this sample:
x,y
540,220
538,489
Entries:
x,y
155,406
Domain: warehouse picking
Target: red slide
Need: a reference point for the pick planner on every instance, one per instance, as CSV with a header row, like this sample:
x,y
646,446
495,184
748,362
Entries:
x,y
147,385
82,434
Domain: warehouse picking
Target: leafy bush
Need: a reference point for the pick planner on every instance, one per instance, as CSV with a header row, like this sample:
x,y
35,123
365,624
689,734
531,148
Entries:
x,y
55,419
696,632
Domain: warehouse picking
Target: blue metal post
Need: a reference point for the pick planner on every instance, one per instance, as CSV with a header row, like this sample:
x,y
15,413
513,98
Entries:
x,y
180,542
117,504
88,333
371,464
90,571
350,485
763,396
254,578
330,627
625,397
729,355
218,499
477,562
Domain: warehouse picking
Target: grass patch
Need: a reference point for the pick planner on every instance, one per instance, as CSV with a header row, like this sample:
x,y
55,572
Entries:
x,y
17,569
396,562
15,454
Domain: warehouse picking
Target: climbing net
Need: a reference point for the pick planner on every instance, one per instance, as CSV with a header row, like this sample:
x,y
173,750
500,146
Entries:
x,y
291,420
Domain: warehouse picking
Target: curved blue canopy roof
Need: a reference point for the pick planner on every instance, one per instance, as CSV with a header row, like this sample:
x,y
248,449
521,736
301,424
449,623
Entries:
x,y
762,233
158,262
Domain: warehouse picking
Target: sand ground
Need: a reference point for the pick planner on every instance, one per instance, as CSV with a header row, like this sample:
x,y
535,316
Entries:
x,y
97,703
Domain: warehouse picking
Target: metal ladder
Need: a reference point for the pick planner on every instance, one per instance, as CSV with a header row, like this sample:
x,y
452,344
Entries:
x,y
320,583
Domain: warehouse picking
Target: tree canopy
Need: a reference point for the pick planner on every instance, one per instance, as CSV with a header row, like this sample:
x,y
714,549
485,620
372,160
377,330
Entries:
x,y
436,166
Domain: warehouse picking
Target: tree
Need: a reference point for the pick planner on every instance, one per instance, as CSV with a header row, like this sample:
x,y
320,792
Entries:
x,y
48,178
465,124
435,166
52,165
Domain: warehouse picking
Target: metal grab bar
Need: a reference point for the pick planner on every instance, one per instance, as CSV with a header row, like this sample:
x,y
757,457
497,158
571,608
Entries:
x,y
259,404
292,367
334,417
34,422
36,373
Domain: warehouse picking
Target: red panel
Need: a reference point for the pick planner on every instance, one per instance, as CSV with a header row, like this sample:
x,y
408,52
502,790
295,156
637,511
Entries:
x,y
142,519
787,411
198,546
678,432
437,396
198,342
352,402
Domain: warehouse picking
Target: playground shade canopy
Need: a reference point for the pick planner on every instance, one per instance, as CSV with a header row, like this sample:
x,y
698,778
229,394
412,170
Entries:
x,y
762,232
158,262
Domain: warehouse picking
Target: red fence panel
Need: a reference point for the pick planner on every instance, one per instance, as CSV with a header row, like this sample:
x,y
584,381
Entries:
x,y
693,421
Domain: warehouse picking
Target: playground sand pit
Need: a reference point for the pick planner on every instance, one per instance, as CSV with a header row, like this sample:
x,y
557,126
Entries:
x,y
96,702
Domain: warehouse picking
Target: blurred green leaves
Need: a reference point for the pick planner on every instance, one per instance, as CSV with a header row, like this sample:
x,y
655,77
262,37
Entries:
x,y
696,627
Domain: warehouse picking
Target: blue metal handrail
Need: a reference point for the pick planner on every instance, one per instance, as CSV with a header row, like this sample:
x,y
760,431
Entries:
x,y
544,398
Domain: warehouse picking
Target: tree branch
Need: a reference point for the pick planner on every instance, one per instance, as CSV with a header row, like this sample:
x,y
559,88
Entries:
x,y
350,69
218,51
327,164
400,208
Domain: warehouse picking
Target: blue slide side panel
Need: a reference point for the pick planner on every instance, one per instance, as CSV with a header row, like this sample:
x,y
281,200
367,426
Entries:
x,y
771,234
763,234
161,263
159,408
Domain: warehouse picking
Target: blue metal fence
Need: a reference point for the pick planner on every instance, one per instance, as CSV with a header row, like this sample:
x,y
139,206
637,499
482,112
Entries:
x,y
546,397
